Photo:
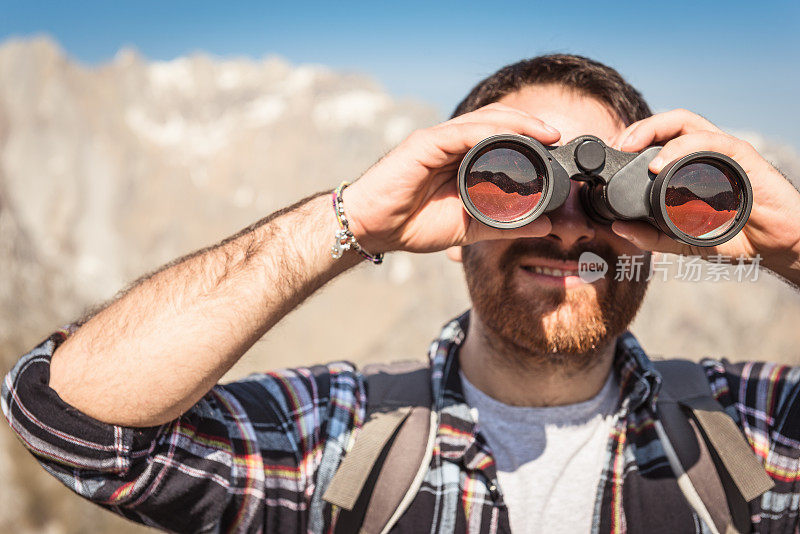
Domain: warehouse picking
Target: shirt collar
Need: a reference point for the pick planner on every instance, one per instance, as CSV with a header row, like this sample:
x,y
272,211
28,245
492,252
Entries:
x,y
458,438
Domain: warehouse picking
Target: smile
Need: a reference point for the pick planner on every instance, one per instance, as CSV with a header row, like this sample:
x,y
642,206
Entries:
x,y
552,272
549,272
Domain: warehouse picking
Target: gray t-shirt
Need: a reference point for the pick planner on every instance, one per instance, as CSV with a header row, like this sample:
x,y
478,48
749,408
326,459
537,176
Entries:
x,y
549,460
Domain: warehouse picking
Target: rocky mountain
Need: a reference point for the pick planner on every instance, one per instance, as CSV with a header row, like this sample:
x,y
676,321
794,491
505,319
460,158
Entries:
x,y
108,172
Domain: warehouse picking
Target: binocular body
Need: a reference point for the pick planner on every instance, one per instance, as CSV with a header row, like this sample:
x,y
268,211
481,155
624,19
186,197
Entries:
x,y
508,180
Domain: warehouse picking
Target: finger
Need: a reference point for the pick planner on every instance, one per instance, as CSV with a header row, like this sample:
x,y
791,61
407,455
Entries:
x,y
443,177
660,128
477,231
647,237
443,144
494,106
498,106
695,142
508,116
545,132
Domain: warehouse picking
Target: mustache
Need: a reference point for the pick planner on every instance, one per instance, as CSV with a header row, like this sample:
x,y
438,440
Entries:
x,y
545,248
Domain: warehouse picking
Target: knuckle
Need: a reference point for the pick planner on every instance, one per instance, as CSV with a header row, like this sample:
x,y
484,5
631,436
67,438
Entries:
x,y
699,137
495,105
745,146
692,118
420,136
497,130
713,127
742,148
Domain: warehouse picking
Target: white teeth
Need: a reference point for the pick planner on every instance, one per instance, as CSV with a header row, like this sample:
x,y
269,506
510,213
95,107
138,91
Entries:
x,y
551,272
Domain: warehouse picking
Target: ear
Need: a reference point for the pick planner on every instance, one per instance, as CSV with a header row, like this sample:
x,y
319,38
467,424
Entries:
x,y
454,253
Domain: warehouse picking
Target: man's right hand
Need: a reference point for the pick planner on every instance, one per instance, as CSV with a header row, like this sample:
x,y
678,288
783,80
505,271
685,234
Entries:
x,y
154,352
409,199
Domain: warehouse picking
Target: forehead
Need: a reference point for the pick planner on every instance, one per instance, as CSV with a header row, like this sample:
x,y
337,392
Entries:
x,y
569,111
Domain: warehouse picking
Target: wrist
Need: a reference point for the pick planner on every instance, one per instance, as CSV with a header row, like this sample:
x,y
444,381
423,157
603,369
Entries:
x,y
355,206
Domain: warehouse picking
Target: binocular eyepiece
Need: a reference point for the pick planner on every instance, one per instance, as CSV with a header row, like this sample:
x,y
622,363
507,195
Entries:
x,y
508,180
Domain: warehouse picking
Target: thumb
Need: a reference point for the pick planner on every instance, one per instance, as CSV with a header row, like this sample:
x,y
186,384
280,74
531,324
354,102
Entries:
x,y
478,231
646,237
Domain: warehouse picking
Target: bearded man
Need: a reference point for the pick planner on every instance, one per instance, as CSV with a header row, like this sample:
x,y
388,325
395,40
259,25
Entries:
x,y
545,404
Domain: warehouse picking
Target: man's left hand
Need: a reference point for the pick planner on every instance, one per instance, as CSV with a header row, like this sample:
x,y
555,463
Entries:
x,y
773,229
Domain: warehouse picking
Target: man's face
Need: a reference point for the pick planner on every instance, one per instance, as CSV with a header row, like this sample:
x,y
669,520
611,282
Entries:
x,y
538,312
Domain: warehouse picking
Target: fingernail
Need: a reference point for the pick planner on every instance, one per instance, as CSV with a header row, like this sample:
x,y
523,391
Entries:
x,y
544,222
625,235
657,164
551,129
622,232
630,142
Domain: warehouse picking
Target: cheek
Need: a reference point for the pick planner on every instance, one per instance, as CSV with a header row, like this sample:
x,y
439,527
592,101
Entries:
x,y
487,254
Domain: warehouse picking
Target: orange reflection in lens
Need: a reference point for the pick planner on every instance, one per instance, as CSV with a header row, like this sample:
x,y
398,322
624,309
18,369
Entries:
x,y
505,182
702,200
499,205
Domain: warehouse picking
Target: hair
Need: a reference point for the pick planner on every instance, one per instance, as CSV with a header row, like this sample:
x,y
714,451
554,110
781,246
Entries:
x,y
584,75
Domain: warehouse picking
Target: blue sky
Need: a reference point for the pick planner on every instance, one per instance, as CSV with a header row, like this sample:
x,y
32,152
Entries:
x,y
737,63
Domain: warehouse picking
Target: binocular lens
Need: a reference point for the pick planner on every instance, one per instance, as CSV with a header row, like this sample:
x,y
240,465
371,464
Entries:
x,y
505,181
703,198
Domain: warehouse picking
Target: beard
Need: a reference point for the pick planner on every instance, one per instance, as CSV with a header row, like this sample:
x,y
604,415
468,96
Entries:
x,y
553,326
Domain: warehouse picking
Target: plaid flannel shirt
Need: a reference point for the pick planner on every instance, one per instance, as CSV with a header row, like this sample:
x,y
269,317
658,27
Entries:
x,y
257,454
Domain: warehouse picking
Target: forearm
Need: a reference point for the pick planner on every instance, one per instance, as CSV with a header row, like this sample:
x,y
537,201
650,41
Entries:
x,y
154,352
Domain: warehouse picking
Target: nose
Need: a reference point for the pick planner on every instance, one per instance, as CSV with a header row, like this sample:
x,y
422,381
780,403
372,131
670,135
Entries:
x,y
570,222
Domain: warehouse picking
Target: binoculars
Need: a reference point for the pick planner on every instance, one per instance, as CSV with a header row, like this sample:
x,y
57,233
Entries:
x,y
508,180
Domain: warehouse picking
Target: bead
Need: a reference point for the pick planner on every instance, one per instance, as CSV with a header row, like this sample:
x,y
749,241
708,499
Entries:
x,y
344,238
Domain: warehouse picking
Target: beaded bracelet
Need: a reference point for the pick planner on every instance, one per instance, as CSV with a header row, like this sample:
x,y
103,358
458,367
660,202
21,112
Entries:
x,y
344,238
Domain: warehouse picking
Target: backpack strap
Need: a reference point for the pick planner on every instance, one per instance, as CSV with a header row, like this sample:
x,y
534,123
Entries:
x,y
380,475
717,470
378,478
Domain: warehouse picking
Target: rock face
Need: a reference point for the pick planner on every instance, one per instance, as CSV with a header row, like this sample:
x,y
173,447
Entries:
x,y
108,172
